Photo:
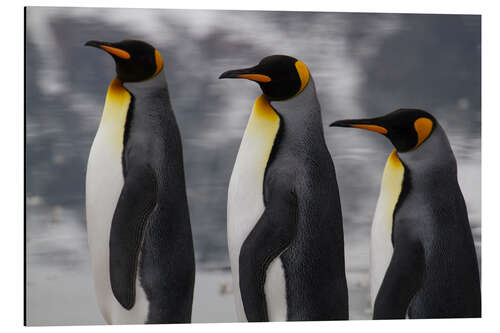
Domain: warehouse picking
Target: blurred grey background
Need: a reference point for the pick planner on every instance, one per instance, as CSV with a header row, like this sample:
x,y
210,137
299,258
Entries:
x,y
364,65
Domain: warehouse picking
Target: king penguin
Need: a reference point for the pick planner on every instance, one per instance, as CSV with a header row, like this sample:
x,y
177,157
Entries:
x,y
138,224
285,232
423,259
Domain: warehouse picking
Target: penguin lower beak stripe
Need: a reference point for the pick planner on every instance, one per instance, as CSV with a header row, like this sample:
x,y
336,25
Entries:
x,y
247,73
369,127
110,49
373,128
117,52
255,77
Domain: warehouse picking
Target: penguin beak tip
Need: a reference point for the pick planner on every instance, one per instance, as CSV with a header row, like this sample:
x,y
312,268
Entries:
x,y
227,75
93,43
339,123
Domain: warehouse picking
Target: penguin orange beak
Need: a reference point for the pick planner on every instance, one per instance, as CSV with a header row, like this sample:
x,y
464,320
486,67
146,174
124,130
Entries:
x,y
366,124
108,47
245,73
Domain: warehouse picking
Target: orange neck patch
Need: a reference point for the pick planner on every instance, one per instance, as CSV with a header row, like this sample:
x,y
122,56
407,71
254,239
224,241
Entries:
x,y
159,62
423,126
303,74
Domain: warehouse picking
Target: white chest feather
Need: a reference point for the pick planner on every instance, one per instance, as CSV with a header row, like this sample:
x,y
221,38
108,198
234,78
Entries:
x,y
381,244
104,183
246,203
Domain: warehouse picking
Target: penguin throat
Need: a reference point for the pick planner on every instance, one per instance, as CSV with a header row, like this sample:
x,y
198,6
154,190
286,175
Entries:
x,y
115,86
263,115
116,98
261,132
114,115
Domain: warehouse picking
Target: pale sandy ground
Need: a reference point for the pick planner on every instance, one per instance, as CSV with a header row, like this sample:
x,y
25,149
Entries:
x,y
59,283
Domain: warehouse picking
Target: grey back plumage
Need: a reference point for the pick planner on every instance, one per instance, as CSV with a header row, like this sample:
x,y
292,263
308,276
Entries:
x,y
314,262
431,214
167,265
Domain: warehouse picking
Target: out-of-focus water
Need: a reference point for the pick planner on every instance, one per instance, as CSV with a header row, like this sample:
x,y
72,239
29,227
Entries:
x,y
363,65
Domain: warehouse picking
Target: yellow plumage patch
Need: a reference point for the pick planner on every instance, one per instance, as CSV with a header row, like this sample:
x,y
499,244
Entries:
x,y
263,119
262,128
392,182
381,245
114,114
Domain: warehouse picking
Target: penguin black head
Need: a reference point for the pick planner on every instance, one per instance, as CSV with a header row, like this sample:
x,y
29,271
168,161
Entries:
x,y
279,76
406,128
135,60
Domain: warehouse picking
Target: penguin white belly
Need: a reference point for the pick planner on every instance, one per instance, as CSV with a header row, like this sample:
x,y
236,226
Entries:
x,y
381,244
275,290
104,183
246,204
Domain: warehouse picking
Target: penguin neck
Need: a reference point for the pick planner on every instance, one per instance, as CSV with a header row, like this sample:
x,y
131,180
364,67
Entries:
x,y
147,87
433,158
301,128
145,92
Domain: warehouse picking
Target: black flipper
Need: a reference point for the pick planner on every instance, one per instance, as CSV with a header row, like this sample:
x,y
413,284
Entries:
x,y
272,234
401,281
136,202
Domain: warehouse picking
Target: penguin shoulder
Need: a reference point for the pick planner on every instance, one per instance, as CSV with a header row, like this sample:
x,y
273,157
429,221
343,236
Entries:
x,y
407,229
293,177
412,224
280,181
